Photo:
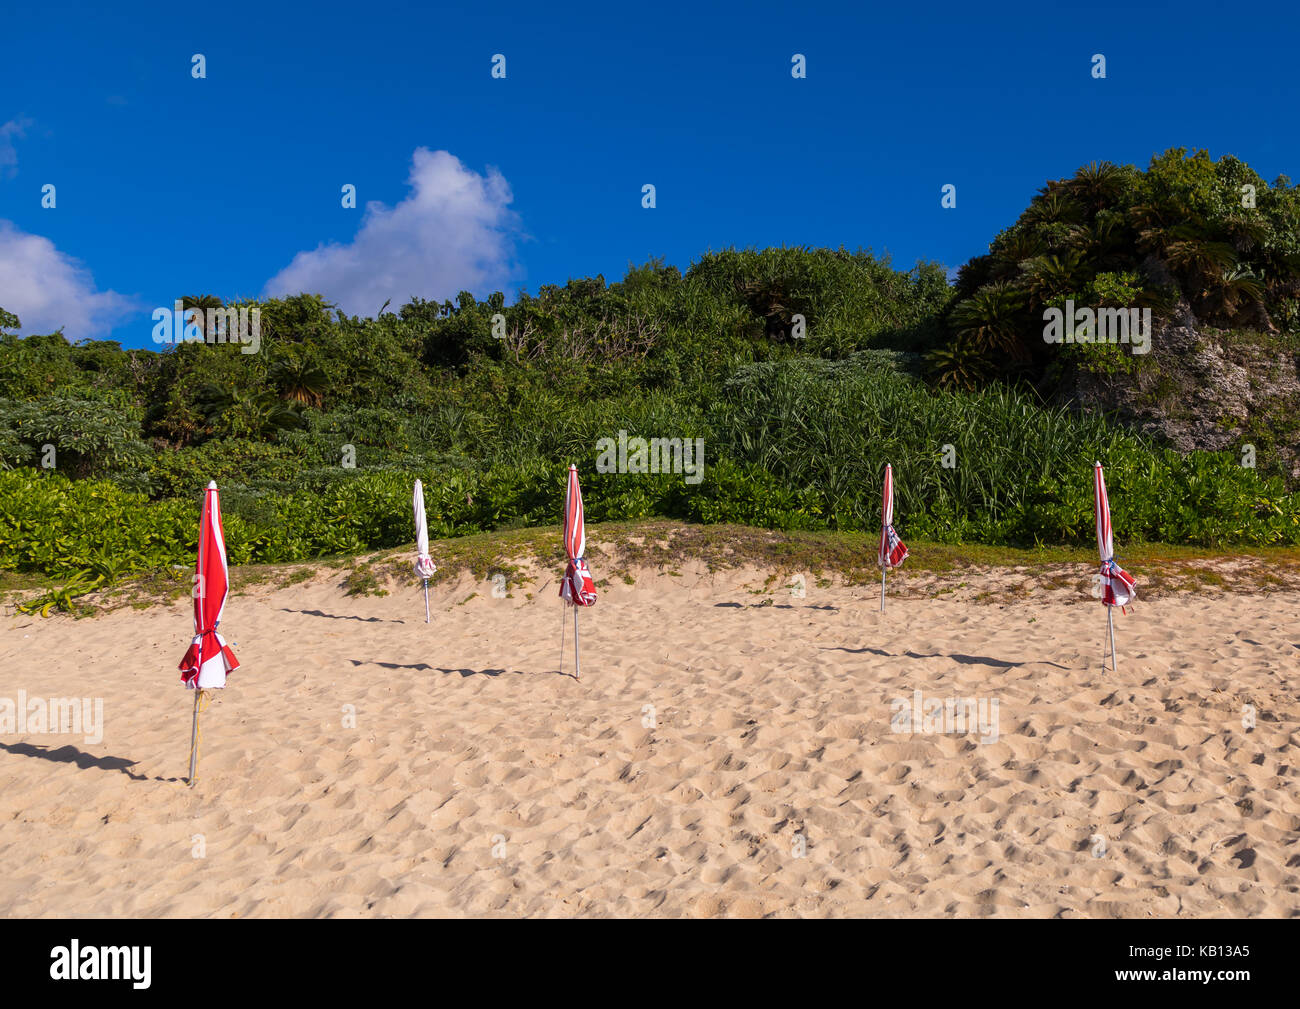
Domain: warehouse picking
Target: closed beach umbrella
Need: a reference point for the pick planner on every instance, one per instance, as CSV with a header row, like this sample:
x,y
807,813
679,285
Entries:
x,y
893,551
209,659
1117,586
424,566
577,587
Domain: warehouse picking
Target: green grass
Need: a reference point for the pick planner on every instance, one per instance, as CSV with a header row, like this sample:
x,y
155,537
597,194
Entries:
x,y
617,550
620,550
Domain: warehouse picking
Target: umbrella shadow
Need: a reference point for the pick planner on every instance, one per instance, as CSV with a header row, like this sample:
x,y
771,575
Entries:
x,y
71,755
426,667
969,660
965,660
984,660
776,606
341,616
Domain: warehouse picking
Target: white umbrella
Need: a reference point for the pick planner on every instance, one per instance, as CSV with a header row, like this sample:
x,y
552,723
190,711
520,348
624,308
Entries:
x,y
424,566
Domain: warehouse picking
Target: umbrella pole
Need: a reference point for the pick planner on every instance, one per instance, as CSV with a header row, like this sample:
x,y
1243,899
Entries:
x,y
1110,625
577,653
562,620
882,589
426,600
194,738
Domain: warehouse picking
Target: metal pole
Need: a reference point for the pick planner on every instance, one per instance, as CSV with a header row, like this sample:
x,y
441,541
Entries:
x,y
577,652
562,626
194,738
1110,623
426,600
882,589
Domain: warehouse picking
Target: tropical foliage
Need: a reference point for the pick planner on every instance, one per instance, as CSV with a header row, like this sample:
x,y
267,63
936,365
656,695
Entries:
x,y
803,371
1205,240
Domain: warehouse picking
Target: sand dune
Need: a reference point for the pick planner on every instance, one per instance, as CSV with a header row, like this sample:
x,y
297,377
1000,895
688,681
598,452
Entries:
x,y
729,751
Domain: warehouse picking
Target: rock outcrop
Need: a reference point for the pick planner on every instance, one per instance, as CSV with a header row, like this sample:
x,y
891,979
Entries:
x,y
1207,389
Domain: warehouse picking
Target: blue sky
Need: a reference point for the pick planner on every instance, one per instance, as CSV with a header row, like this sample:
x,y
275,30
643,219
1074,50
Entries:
x,y
170,185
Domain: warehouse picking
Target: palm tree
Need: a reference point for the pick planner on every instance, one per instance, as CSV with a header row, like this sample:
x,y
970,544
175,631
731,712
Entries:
x,y
958,366
299,381
1053,208
1200,262
1013,248
1048,277
202,302
1096,185
264,415
1108,243
1235,288
1246,231
243,413
988,321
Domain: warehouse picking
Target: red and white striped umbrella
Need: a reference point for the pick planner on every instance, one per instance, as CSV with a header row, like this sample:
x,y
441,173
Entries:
x,y
209,659
1117,586
578,588
893,551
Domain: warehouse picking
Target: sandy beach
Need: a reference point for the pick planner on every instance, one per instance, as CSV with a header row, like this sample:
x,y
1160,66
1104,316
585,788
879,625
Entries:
x,y
731,750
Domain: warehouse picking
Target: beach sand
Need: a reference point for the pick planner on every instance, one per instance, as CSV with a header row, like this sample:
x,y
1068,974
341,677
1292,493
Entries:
x,y
728,752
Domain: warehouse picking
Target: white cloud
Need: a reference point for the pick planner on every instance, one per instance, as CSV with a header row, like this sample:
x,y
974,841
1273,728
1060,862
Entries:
x,y
8,153
454,232
47,289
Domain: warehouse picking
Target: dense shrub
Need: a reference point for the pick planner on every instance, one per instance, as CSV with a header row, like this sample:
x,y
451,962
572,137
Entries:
x,y
89,437
315,439
1189,235
1021,473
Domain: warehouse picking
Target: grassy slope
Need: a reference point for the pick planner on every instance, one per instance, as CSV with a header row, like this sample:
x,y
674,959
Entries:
x,y
619,550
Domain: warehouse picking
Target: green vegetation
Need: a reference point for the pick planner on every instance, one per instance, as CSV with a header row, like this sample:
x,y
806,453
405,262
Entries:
x,y
315,439
1188,235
